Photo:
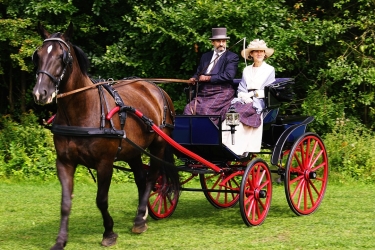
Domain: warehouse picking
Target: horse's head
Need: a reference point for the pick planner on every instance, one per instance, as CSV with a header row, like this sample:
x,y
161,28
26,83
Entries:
x,y
53,61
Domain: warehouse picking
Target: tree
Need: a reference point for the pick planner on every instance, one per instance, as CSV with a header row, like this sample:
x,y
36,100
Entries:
x,y
326,46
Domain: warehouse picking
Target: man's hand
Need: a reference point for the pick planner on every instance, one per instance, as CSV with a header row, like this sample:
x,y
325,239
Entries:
x,y
192,81
204,78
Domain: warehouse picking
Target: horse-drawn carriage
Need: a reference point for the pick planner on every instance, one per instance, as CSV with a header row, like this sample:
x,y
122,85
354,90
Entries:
x,y
99,123
299,159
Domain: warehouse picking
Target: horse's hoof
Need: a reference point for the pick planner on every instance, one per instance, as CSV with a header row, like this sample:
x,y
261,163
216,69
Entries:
x,y
139,229
109,240
57,246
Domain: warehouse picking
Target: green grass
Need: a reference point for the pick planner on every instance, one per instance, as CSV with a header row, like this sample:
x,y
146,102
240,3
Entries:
x,y
29,215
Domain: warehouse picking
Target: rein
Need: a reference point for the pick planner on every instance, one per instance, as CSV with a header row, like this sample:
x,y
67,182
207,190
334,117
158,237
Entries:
x,y
112,82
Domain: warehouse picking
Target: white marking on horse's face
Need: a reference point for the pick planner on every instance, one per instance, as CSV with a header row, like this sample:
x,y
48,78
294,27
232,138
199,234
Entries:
x,y
49,49
37,94
50,99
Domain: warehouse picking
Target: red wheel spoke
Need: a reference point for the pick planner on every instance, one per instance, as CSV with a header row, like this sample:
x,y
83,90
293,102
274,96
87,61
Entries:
x,y
159,204
312,163
301,191
264,184
299,161
311,195
158,197
262,204
298,178
321,165
225,186
250,203
260,176
257,213
298,187
314,187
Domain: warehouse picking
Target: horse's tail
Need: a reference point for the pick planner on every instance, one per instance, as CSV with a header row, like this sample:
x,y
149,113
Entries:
x,y
170,171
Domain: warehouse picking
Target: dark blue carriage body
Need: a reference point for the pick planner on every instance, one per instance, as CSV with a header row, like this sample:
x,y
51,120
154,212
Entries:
x,y
201,136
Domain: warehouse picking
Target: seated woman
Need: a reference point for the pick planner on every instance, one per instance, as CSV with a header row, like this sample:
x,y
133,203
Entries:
x,y
249,102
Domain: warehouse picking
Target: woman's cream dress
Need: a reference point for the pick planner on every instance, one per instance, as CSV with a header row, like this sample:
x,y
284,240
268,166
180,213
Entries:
x,y
246,138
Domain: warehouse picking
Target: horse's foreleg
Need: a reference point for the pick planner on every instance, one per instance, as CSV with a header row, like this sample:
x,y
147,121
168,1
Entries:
x,y
144,189
65,174
104,182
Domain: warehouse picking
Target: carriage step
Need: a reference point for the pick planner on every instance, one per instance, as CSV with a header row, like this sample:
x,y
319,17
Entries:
x,y
195,170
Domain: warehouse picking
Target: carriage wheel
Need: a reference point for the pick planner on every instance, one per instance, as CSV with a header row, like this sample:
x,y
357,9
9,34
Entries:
x,y
256,193
163,199
223,197
306,174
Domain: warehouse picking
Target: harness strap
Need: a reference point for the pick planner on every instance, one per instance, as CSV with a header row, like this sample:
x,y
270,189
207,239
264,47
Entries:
x,y
54,79
102,115
122,115
87,131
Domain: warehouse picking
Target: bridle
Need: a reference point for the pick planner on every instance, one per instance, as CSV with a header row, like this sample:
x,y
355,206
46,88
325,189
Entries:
x,y
67,60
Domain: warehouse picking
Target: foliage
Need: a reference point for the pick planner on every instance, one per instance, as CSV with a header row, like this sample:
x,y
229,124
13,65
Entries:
x,y
327,46
26,149
350,151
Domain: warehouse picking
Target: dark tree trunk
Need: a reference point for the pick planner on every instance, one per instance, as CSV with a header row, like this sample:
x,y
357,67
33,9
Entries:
x,y
10,93
23,91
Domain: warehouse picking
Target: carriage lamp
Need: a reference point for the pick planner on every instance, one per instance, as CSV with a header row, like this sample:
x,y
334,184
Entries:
x,y
232,119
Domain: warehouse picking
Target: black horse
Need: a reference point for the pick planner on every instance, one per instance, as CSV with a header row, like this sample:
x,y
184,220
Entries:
x,y
83,136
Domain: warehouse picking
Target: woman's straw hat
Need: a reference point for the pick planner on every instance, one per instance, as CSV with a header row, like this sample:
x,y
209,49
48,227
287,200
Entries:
x,y
256,45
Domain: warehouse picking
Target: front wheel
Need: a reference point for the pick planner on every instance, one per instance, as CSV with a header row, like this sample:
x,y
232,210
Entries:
x,y
255,193
306,174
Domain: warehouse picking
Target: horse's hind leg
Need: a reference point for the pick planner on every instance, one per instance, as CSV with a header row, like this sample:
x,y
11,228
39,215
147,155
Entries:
x,y
104,181
144,189
65,174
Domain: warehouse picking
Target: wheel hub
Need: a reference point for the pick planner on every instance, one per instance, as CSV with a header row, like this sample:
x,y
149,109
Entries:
x,y
260,194
310,175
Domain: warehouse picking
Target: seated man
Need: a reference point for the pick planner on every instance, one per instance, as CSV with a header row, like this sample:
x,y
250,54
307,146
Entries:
x,y
215,75
250,104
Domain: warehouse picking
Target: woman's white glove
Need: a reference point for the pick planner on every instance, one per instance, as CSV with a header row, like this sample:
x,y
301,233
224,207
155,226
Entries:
x,y
246,97
259,93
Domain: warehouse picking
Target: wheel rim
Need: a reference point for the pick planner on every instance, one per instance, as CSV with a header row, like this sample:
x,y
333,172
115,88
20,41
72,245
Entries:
x,y
256,193
306,174
225,198
163,199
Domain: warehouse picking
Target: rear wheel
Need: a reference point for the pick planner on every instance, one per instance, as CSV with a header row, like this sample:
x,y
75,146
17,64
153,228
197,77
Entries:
x,y
163,199
255,193
306,174
225,195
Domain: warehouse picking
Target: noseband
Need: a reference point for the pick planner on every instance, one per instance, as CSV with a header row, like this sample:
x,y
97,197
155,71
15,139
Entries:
x,y
67,59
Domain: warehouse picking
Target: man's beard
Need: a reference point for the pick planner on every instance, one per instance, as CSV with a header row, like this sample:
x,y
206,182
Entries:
x,y
220,48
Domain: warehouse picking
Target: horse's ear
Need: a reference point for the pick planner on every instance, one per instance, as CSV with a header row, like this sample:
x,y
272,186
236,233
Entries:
x,y
69,32
42,31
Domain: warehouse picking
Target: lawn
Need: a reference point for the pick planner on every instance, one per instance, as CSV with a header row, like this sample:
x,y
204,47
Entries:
x,y
29,214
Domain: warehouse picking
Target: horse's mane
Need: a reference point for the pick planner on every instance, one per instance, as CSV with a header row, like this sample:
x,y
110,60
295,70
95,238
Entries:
x,y
82,59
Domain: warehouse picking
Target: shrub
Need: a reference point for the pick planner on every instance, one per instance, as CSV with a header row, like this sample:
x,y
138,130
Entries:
x,y
350,147
27,149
